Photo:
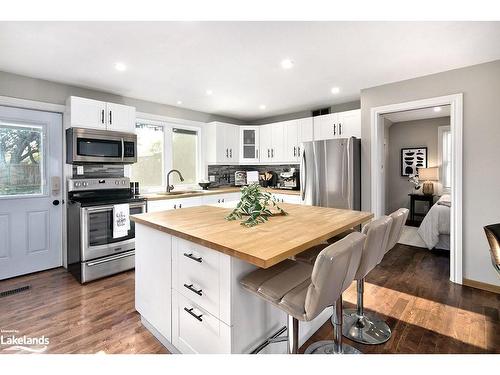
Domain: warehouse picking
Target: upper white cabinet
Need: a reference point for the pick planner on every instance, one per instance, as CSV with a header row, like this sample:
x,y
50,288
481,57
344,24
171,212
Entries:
x,y
94,114
295,133
222,143
272,143
249,142
338,125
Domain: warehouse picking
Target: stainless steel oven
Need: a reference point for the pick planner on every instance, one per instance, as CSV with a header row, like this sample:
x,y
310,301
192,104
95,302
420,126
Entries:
x,y
92,250
100,146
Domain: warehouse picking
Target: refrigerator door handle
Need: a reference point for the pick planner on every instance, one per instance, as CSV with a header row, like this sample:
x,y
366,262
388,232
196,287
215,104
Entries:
x,y
303,180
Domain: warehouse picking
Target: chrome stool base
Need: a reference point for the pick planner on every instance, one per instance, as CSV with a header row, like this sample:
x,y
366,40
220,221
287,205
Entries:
x,y
366,329
328,347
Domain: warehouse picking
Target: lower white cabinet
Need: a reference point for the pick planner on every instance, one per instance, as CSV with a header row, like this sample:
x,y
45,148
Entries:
x,y
173,204
195,330
288,198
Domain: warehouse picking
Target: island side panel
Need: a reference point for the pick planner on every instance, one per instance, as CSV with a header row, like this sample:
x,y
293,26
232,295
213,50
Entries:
x,y
153,278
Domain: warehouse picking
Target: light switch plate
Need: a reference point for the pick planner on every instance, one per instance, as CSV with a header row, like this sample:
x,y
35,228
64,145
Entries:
x,y
79,169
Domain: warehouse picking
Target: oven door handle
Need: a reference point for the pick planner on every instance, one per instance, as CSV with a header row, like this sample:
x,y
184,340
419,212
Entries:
x,y
107,208
111,258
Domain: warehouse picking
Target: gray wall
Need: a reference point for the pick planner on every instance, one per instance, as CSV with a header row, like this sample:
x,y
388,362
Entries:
x,y
409,134
480,85
22,87
295,115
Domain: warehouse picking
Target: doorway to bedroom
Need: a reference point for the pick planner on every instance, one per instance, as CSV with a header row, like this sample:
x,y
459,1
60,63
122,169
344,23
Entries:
x,y
417,149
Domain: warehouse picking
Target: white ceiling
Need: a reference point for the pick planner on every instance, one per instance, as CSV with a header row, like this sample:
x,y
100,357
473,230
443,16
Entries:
x,y
418,114
240,61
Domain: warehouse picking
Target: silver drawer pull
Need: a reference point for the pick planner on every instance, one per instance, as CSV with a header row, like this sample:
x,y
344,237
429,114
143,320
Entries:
x,y
190,312
190,287
191,256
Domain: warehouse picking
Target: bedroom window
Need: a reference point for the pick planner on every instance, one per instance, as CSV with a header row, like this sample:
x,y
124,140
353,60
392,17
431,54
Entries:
x,y
444,155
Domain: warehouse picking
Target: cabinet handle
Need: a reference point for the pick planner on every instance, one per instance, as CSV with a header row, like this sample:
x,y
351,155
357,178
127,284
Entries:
x,y
175,206
298,152
191,256
294,151
218,200
268,153
227,153
272,152
102,116
190,312
190,287
110,117
222,200
257,153
340,128
231,153
334,129
180,205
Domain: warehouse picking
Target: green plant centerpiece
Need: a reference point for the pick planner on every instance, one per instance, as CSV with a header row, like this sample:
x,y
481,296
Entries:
x,y
256,206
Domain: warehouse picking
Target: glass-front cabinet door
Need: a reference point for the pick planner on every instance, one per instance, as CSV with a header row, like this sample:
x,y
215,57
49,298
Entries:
x,y
249,144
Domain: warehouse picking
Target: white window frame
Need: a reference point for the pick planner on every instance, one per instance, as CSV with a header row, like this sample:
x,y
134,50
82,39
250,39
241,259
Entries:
x,y
441,131
168,124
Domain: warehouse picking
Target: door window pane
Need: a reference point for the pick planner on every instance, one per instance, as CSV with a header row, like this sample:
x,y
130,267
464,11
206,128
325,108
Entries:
x,y
184,156
150,157
21,159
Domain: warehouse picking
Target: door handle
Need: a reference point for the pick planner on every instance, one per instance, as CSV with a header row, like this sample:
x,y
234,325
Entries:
x,y
190,287
123,149
190,312
56,202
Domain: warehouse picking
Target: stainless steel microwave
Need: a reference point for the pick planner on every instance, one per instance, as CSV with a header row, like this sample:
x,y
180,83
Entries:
x,y
100,146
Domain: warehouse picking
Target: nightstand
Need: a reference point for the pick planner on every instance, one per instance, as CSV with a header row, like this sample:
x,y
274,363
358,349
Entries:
x,y
414,215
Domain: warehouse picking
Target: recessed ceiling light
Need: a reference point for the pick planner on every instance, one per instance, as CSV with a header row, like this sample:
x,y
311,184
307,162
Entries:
x,y
179,102
286,64
437,109
335,90
262,106
209,92
121,67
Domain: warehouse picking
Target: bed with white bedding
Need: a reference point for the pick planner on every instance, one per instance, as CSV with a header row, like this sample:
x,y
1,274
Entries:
x,y
435,228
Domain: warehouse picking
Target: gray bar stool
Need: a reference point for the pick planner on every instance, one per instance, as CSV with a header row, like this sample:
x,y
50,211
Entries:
x,y
360,326
303,291
398,221
493,235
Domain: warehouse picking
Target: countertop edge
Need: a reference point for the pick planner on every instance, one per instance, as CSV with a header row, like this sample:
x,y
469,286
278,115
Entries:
x,y
215,191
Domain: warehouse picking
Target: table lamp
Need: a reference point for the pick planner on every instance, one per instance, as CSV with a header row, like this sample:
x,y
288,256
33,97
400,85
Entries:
x,y
428,175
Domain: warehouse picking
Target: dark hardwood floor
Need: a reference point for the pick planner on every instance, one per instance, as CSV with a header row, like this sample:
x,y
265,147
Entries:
x,y
410,288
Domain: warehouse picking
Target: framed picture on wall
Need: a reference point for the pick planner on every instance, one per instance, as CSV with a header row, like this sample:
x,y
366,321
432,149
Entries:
x,y
413,158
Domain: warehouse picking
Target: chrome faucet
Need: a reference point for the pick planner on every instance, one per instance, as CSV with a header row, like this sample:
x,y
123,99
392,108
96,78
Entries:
x,y
171,187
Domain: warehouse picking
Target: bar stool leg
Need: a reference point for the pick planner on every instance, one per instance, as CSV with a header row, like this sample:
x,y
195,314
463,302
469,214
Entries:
x,y
293,335
336,346
363,327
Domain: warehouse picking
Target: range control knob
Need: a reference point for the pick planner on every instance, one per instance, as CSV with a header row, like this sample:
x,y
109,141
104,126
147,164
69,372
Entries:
x,y
123,182
85,184
77,184
117,182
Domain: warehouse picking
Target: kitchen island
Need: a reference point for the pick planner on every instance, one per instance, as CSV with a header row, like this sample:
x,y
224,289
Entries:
x,y
189,263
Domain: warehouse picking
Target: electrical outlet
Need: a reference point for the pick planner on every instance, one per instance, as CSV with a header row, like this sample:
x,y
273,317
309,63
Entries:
x,y
211,178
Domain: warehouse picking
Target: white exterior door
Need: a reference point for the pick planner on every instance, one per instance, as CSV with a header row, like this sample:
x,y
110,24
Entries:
x,y
31,207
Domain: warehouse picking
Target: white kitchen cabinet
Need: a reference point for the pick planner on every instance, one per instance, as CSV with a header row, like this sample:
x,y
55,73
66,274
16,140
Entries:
x,y
288,198
120,118
350,123
173,204
272,143
291,137
249,141
222,143
222,199
337,125
95,114
305,127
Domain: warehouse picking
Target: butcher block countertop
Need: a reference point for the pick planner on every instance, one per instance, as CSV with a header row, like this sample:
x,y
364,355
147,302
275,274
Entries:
x,y
214,191
263,245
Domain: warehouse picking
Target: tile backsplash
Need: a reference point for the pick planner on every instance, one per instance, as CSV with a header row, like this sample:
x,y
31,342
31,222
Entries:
x,y
99,170
224,174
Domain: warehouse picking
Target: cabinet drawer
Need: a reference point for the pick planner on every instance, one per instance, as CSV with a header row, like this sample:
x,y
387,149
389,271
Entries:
x,y
196,274
195,330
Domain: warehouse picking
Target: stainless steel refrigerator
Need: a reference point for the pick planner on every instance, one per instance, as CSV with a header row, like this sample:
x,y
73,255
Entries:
x,y
330,173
